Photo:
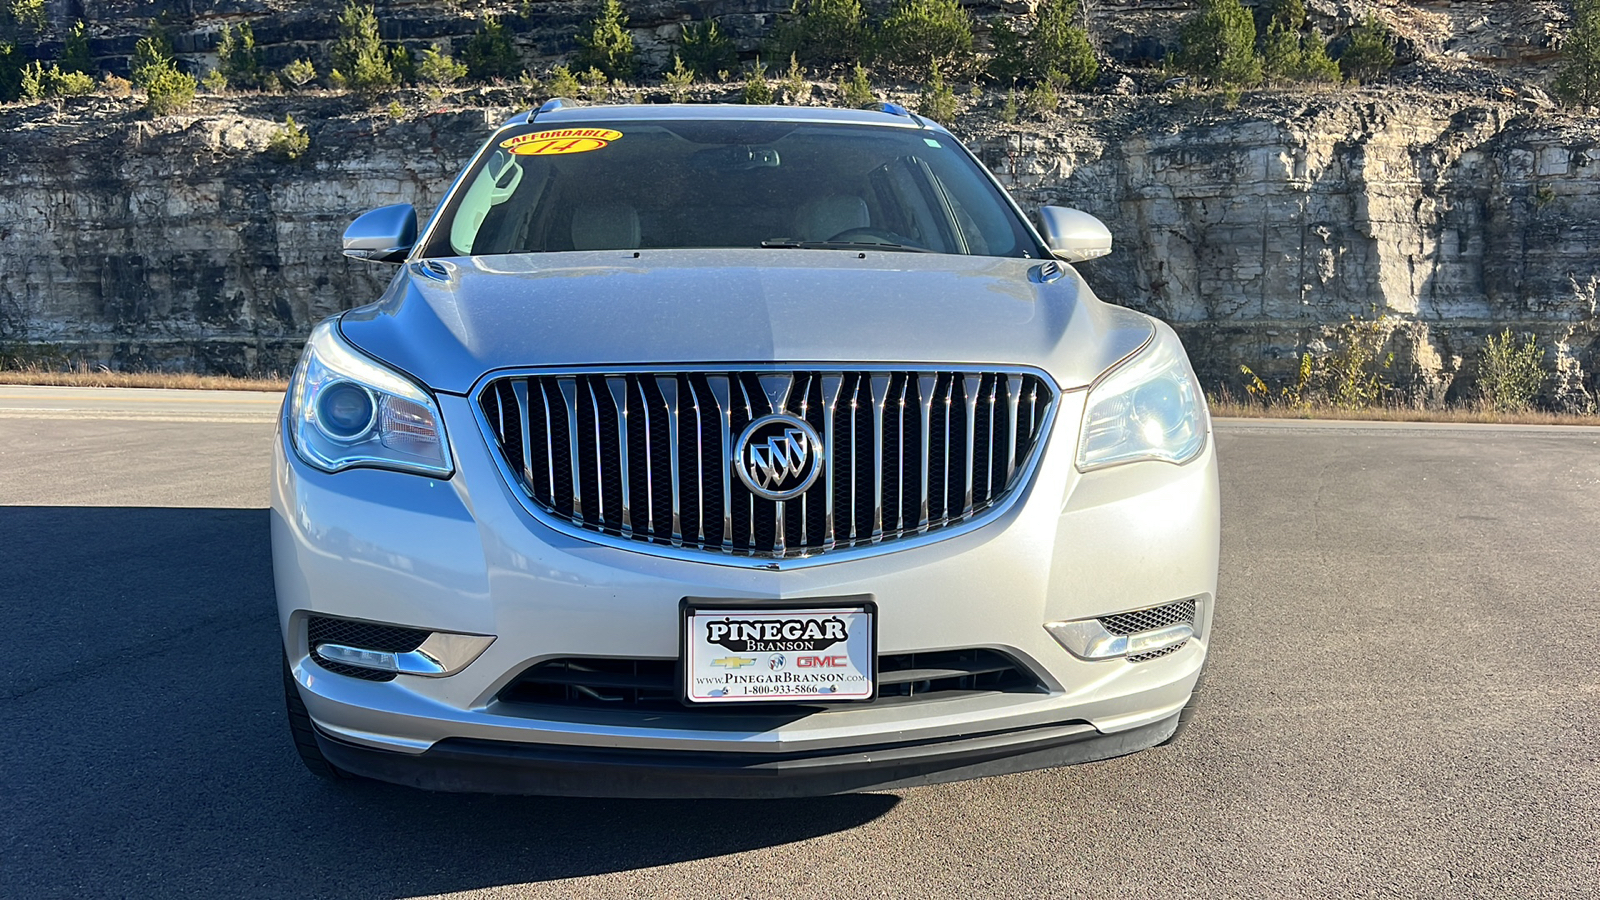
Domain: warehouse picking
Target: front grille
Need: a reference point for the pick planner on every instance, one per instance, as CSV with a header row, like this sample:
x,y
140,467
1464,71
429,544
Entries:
x,y
365,635
654,684
647,456
1149,620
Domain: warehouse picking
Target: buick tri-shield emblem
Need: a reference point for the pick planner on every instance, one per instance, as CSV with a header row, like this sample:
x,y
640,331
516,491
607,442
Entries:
x,y
778,457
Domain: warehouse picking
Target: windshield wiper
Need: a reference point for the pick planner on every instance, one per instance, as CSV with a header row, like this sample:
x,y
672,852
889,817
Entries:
x,y
787,244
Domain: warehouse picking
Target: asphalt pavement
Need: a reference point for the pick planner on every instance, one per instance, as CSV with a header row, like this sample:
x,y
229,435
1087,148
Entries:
x,y
1403,700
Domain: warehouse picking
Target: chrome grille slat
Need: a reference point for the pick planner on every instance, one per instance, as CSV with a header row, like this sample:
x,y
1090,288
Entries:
x,y
724,400
569,396
749,416
519,389
926,384
908,452
972,384
668,386
830,402
619,398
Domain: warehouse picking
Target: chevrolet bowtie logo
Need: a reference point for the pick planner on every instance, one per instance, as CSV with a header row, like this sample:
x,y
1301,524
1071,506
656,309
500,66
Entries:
x,y
733,662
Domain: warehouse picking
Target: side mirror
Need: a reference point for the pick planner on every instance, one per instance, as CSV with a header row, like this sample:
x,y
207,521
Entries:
x,y
1074,235
386,234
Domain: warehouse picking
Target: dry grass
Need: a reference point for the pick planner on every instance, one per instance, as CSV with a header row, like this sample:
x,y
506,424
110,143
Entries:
x,y
1236,409
84,376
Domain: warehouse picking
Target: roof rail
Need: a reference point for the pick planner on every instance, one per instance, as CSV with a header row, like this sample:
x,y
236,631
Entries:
x,y
893,109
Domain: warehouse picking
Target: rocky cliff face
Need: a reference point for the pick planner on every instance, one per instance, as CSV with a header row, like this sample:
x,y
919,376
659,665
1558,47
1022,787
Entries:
x,y
1255,231
180,242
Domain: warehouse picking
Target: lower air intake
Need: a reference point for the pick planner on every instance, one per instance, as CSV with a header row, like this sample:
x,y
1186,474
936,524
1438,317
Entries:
x,y
653,684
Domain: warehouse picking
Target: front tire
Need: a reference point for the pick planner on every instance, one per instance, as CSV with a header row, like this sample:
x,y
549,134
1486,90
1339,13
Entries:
x,y
304,733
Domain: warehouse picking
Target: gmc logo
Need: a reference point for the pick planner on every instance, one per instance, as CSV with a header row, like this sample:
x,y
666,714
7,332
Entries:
x,y
821,662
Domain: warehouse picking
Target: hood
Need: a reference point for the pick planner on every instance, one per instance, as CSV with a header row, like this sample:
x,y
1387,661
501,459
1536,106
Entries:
x,y
447,322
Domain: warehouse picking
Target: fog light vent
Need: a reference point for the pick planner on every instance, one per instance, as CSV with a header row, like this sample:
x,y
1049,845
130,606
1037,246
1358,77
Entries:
x,y
1156,617
1136,636
360,649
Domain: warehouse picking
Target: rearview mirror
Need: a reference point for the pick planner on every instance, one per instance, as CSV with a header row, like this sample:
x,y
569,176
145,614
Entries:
x,y
386,234
1074,235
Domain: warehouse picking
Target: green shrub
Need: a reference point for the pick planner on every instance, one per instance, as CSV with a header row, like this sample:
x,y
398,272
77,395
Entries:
x,y
920,33
1041,99
1057,45
1579,79
679,79
214,81
796,88
563,84
75,51
1010,112
490,54
609,44
290,142
35,82
706,50
238,59
1370,53
71,84
595,85
1350,376
396,111
21,18
1289,57
1218,45
938,100
823,32
439,69
403,64
12,61
1510,375
1280,53
856,91
152,56
1289,13
167,90
756,89
358,54
1008,62
299,73
1053,44
1315,66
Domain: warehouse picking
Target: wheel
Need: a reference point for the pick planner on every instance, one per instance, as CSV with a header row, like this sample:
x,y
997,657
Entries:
x,y
304,733
1185,714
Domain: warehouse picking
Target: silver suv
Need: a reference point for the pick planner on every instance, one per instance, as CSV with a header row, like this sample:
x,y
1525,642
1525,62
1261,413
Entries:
x,y
733,451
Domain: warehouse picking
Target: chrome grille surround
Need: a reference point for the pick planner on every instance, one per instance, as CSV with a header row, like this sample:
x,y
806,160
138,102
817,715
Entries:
x,y
650,447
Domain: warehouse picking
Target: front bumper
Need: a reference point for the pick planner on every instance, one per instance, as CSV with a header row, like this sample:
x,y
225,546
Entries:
x,y
500,767
464,556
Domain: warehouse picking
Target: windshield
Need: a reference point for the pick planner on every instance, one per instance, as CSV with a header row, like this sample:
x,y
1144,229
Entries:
x,y
632,185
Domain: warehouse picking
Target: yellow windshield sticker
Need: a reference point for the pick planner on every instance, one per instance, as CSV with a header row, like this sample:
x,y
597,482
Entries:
x,y
564,140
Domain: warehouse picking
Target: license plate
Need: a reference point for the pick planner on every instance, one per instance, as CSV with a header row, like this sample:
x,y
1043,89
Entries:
x,y
812,653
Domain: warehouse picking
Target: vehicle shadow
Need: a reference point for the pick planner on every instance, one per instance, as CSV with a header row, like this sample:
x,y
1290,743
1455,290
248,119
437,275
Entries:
x,y
147,751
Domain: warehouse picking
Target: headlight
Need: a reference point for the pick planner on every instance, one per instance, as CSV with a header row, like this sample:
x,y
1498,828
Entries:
x,y
346,410
1148,408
